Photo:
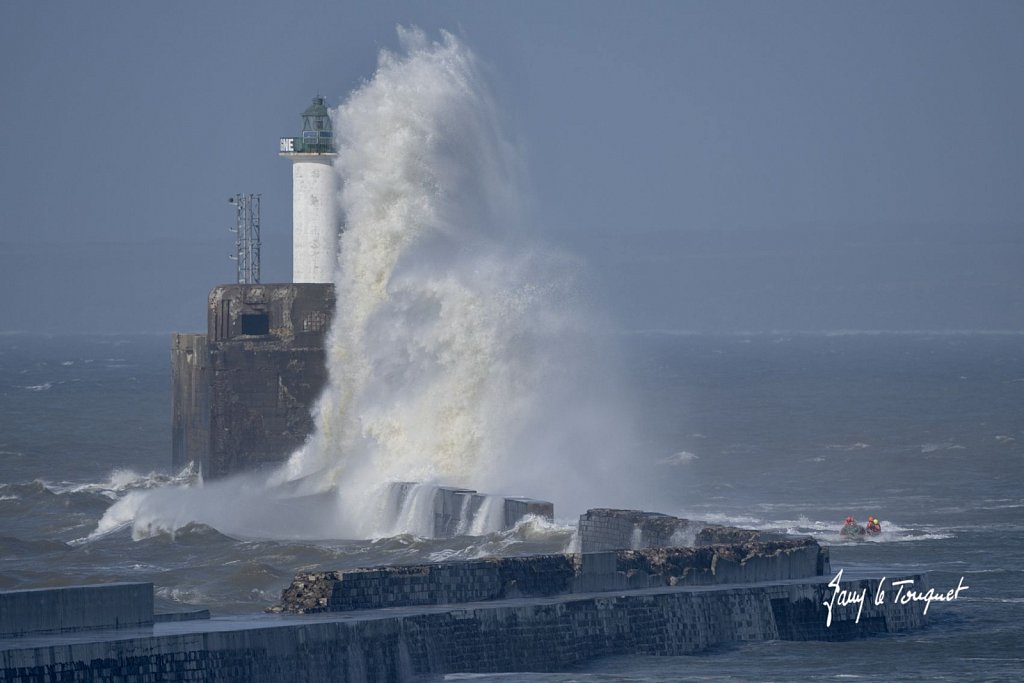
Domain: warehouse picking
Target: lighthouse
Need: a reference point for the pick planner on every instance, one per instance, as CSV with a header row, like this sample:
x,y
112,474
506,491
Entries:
x,y
243,391
315,223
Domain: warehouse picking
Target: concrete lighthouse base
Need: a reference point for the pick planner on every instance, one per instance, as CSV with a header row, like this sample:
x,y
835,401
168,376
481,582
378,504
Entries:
x,y
242,392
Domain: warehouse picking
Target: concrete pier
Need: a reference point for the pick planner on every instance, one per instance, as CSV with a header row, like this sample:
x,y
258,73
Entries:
x,y
76,608
500,578
404,643
502,614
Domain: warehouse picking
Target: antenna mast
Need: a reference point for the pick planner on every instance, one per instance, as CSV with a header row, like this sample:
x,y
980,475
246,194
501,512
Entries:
x,y
247,237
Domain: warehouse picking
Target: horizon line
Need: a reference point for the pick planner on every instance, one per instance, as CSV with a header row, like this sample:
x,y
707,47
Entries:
x,y
678,332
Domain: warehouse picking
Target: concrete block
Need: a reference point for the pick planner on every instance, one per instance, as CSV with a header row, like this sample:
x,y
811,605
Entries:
x,y
75,608
243,391
516,508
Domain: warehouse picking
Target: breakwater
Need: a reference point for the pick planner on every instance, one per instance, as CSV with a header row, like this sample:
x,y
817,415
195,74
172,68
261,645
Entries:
x,y
603,529
402,644
501,578
532,613
75,608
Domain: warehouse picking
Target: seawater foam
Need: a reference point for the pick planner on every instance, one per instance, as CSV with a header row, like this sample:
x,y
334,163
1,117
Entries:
x,y
490,516
123,480
461,350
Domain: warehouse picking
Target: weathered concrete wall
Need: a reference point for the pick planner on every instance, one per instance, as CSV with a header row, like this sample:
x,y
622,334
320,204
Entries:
x,y
260,400
451,511
243,393
190,411
76,608
454,510
429,584
516,508
297,315
538,634
539,575
703,566
602,529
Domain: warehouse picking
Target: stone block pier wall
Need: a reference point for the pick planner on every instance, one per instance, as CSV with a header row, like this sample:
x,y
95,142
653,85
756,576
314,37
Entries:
x,y
532,634
536,613
607,529
544,575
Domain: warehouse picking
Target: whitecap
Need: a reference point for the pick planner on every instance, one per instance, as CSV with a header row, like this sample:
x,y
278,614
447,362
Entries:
x,y
182,595
122,480
679,458
944,446
859,446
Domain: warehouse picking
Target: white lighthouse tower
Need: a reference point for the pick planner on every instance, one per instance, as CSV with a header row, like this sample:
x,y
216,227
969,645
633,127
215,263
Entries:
x,y
315,222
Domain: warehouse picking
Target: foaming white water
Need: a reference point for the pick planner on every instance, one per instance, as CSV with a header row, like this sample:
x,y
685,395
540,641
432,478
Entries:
x,y
461,350
490,517
531,530
821,530
636,538
123,480
465,519
416,516
683,538
240,506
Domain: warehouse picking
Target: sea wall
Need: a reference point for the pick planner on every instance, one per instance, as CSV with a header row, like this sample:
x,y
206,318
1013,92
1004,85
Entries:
x,y
429,584
541,575
535,634
75,608
603,529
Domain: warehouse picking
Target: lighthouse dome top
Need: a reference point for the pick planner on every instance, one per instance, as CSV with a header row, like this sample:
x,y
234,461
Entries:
x,y
316,112
317,135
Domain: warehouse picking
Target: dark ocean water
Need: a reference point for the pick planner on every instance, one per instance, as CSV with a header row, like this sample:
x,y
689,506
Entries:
x,y
788,432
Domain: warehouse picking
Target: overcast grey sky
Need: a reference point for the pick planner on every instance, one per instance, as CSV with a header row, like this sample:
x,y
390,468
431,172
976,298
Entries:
x,y
721,165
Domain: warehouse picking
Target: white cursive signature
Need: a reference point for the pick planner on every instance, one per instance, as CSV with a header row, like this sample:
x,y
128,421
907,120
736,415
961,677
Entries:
x,y
843,597
910,595
904,595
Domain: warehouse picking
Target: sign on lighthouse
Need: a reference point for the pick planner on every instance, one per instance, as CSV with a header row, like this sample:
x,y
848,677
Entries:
x,y
315,222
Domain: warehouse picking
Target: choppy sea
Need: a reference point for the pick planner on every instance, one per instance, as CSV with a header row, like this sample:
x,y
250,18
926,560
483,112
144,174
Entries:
x,y
779,431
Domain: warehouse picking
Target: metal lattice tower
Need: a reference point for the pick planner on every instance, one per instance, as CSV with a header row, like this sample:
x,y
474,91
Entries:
x,y
247,237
